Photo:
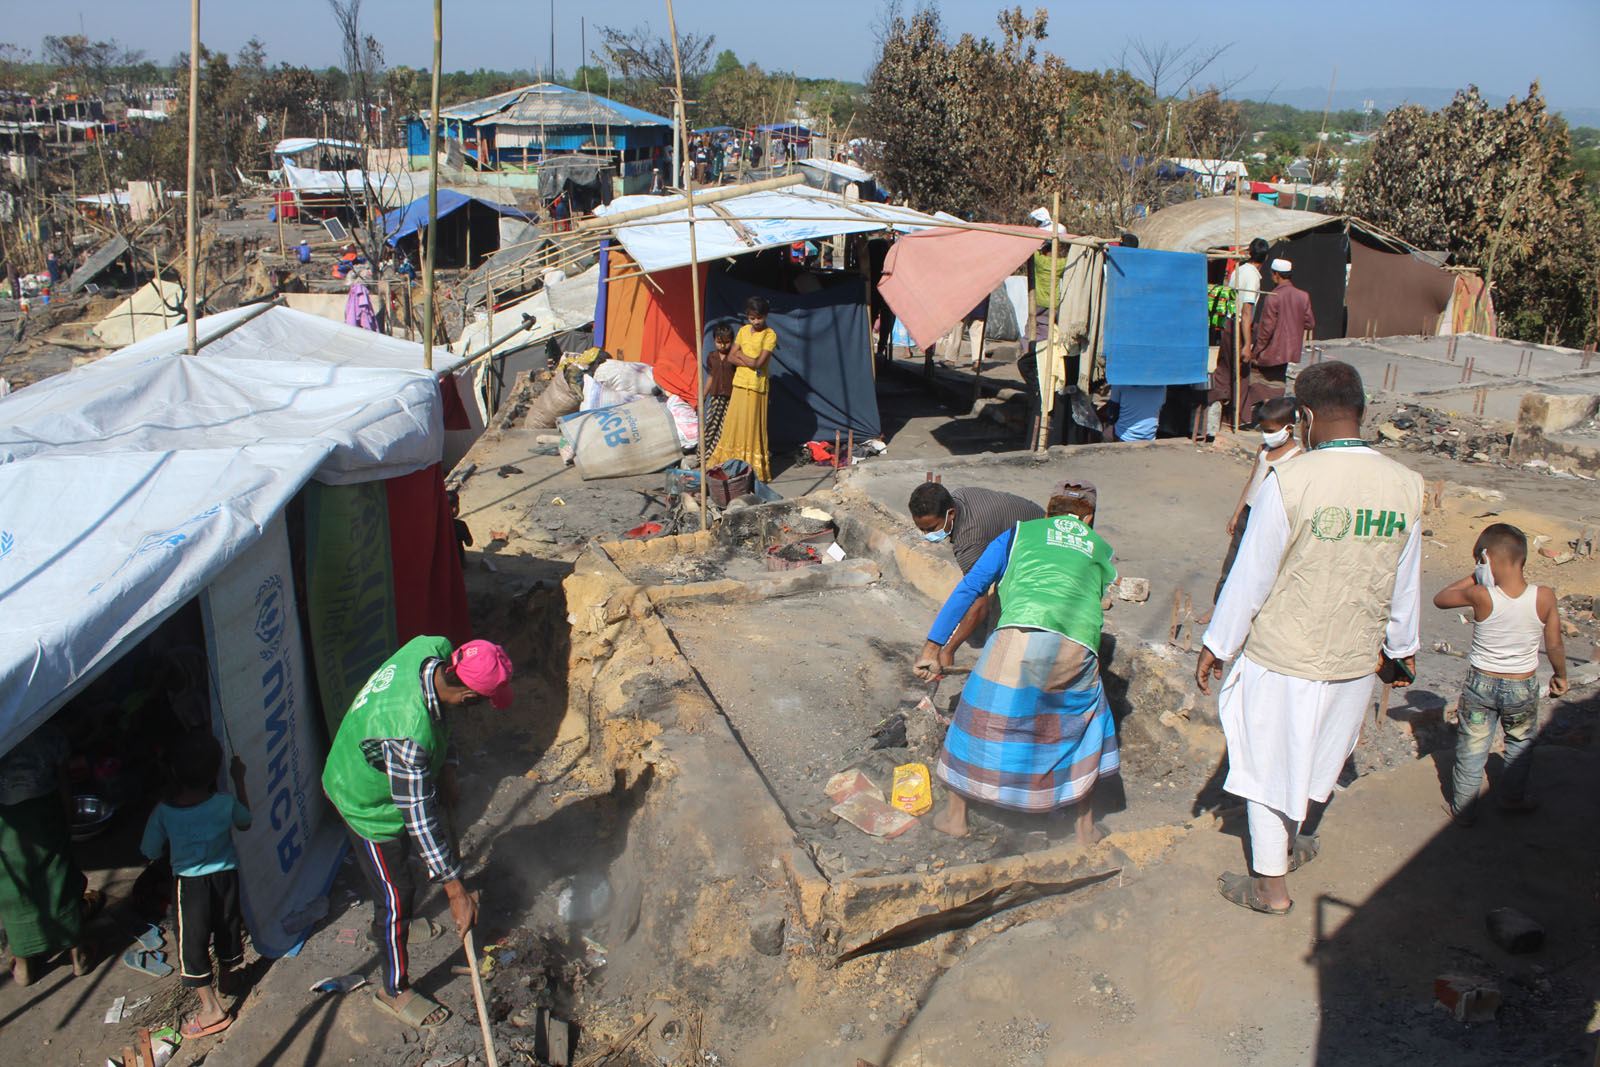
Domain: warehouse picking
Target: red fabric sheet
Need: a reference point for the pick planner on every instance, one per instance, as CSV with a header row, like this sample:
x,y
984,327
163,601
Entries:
x,y
654,323
430,594
455,413
932,278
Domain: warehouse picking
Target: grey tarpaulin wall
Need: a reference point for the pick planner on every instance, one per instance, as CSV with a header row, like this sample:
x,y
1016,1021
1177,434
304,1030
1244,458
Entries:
x,y
822,370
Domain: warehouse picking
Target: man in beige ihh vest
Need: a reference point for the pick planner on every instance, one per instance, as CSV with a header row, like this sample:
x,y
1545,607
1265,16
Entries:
x,y
1327,583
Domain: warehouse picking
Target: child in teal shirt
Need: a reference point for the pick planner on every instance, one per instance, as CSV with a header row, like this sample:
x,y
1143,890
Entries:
x,y
197,824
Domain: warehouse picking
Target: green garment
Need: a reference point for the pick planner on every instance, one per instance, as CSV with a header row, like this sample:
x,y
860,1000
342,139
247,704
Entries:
x,y
389,706
1055,578
1041,278
41,888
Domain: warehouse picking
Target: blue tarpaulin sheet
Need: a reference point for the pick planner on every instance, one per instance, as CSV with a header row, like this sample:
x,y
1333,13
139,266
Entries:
x,y
404,221
822,369
1155,319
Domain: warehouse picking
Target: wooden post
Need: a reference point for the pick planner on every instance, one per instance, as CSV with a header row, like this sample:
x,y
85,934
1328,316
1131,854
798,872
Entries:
x,y
1238,327
1049,351
680,136
192,207
433,189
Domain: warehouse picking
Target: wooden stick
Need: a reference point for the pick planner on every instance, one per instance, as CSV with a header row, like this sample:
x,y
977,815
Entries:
x,y
129,1058
1238,326
433,188
1043,434
477,996
145,1048
192,206
694,268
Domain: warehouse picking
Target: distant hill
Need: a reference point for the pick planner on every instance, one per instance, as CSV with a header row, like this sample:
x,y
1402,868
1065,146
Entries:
x,y
1313,98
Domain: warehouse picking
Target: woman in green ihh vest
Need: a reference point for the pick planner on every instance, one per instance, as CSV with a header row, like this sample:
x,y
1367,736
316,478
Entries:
x,y
1032,731
388,768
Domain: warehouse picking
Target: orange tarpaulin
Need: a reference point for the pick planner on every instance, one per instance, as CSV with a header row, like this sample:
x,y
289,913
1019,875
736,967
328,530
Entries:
x,y
650,319
932,278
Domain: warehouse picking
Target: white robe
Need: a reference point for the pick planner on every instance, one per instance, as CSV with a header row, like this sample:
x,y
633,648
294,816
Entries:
x,y
1288,738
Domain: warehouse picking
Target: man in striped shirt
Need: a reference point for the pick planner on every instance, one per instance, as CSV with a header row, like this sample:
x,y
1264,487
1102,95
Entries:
x,y
968,519
390,772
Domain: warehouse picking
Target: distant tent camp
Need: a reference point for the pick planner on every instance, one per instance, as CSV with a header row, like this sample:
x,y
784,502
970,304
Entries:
x,y
469,227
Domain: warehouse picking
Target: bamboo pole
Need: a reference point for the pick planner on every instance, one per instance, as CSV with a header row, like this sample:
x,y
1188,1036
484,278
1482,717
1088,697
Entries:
x,y
433,190
694,274
1049,349
192,205
1238,327
601,222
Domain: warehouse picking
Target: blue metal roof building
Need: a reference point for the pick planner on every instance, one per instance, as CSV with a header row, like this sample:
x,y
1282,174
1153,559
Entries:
x,y
519,128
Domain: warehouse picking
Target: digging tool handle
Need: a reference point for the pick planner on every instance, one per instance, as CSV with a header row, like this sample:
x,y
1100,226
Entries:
x,y
477,996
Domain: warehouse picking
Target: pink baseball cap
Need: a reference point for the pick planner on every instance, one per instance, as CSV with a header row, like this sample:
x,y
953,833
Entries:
x,y
484,667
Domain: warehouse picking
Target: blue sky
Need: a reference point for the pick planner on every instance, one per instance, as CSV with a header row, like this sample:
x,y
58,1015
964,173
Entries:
x,y
1376,43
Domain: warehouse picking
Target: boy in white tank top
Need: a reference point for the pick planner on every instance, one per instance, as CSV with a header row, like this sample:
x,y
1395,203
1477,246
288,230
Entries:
x,y
1510,617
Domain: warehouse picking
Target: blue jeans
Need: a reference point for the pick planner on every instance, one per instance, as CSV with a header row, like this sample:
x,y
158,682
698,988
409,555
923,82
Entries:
x,y
1514,704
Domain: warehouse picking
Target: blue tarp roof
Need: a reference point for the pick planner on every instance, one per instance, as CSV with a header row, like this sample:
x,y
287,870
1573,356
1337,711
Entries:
x,y
402,222
552,105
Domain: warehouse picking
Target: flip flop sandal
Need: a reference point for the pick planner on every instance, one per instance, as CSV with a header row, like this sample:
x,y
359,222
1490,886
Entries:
x,y
147,962
1303,851
1240,889
418,931
150,937
417,1008
192,1028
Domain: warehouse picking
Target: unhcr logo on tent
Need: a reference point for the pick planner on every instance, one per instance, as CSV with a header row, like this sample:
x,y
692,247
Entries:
x,y
269,615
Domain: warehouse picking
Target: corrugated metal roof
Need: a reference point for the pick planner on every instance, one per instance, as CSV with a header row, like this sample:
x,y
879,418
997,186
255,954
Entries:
x,y
546,104
1201,225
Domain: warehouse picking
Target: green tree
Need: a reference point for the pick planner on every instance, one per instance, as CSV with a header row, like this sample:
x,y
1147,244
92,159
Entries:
x,y
1497,188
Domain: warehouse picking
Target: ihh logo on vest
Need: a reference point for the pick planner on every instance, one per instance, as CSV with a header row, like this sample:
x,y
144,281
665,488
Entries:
x,y
1330,523
1333,523
269,616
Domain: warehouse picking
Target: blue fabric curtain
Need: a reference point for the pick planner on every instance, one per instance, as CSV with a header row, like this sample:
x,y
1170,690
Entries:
x,y
1156,330
822,369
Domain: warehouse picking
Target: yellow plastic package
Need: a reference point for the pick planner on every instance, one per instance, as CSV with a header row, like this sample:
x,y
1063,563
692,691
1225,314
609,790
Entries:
x,y
913,788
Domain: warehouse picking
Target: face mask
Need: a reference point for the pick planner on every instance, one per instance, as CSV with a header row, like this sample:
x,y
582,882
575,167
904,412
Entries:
x,y
940,534
1305,432
1483,574
1277,438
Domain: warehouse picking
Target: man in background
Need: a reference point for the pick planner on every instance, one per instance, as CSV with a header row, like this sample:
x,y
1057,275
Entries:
x,y
1279,338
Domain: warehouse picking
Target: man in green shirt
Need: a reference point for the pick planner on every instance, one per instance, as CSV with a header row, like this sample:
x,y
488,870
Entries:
x,y
388,769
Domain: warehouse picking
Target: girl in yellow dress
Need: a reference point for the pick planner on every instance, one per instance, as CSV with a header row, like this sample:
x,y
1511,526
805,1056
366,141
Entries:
x,y
744,430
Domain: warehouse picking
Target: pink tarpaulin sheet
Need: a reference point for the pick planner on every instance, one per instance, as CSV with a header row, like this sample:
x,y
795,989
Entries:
x,y
932,278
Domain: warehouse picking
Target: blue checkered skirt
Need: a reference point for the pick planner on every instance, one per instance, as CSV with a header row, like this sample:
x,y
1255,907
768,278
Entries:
x,y
1032,731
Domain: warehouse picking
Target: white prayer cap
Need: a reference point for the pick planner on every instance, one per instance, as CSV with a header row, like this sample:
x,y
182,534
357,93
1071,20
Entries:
x,y
1282,266
1040,215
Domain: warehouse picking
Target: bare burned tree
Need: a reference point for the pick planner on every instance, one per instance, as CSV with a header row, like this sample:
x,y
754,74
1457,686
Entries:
x,y
642,61
1160,64
359,120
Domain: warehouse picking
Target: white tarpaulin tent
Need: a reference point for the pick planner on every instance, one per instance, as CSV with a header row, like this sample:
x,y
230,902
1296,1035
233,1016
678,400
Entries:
x,y
131,485
768,219
563,304
390,189
146,313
